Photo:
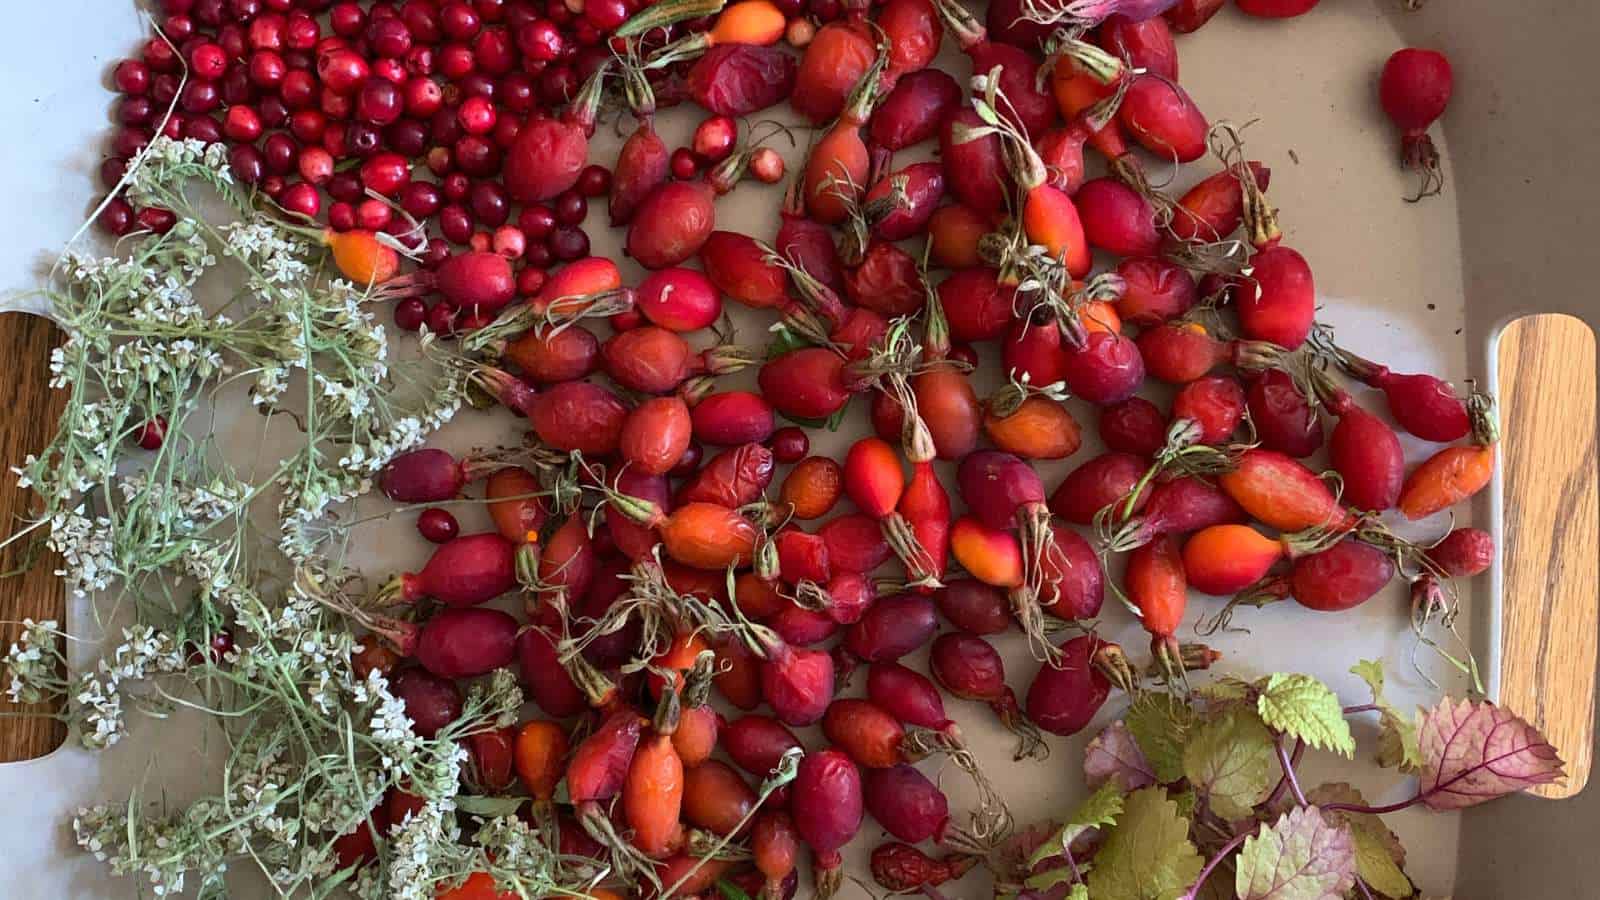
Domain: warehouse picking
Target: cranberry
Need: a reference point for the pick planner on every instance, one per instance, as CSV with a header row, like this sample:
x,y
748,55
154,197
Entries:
x,y
476,156
374,215
391,70
571,207
420,199
307,125
437,525
455,223
200,97
476,115
116,217
539,256
541,41
790,444
279,152
557,85
594,181
505,132
273,185
129,141
156,219
132,77
494,52
423,97
341,216
242,124
344,186
420,61
112,168
715,138
379,102
347,19
244,10
159,56
164,89
362,139
569,243
173,127
537,222
455,61
342,70
302,32
135,111
389,37
385,173
266,32
301,198
605,15
455,187
410,313
422,19
335,106
515,92
237,88
767,165
434,255
964,353
315,165
684,164
246,163
179,28
490,205
407,137
490,10
476,84
825,10
441,319
510,242
530,281
152,434
299,89
459,21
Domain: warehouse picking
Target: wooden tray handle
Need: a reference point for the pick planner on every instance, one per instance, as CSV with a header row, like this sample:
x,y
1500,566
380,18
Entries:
x,y
1550,544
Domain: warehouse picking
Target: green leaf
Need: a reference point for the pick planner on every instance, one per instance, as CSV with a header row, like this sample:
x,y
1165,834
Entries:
x,y
730,891
1226,689
1147,856
1160,724
1229,759
1397,734
489,807
1078,892
1100,809
1303,857
1303,707
1380,857
833,422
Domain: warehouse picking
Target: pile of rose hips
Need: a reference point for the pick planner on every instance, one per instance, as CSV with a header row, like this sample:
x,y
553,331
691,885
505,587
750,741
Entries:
x,y
655,562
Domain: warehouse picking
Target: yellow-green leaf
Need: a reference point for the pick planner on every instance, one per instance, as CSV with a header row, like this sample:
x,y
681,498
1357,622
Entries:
x,y
1100,809
1147,856
1160,725
1302,857
1397,734
1229,759
1303,707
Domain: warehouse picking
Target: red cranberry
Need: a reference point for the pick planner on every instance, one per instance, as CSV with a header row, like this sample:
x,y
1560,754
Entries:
x,y
537,222
374,215
505,132
385,173
112,168
456,224
964,353
420,199
242,124
159,55
455,61
476,84
539,255
715,137
476,156
531,281
515,92
344,186
164,89
389,37
307,125
129,141
407,137
315,165
557,85
491,10
302,32
379,102
489,203
605,15
594,181
179,28
132,77
244,10
391,70
266,32
204,129
301,198
423,97
541,41
341,216
441,319
336,106
420,61
422,20
173,127
152,434
437,525
455,187
362,139
571,208
267,69
135,110
200,97
273,185
279,152
767,166
157,220
476,115
494,52
410,313
509,242
347,19
209,12
246,163
343,71
683,163
459,21
299,90
790,444
117,217
569,243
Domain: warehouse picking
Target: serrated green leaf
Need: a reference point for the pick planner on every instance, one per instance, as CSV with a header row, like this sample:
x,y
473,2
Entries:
x,y
1226,689
1100,809
1303,707
1160,725
489,807
1229,760
1147,856
1370,671
1397,734
1380,857
1302,857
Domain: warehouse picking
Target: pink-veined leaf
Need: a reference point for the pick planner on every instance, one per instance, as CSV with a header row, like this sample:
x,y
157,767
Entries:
x,y
1303,857
1474,751
1113,755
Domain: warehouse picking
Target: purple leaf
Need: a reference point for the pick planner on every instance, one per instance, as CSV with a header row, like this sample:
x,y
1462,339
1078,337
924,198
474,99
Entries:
x,y
1114,756
1473,752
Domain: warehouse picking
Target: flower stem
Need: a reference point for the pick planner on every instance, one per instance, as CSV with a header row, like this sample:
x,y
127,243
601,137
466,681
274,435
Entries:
x,y
1375,810
1216,860
1283,782
1288,769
